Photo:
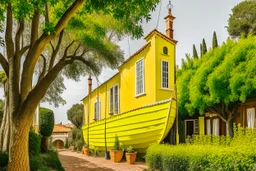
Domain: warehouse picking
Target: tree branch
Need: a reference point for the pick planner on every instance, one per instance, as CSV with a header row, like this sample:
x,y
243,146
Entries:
x,y
44,68
55,50
8,32
46,13
4,64
37,48
18,36
34,27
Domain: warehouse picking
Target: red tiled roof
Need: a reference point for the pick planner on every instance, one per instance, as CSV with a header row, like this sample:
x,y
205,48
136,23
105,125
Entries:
x,y
161,35
58,128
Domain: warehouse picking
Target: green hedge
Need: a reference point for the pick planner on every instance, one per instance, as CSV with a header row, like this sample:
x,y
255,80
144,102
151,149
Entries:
x,y
3,160
34,144
206,153
51,160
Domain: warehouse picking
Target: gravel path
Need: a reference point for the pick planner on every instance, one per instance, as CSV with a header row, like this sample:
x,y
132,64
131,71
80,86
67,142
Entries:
x,y
73,161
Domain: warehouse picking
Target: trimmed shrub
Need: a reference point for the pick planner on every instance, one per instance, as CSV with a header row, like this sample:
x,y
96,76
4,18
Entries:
x,y
46,125
203,153
3,159
34,144
46,122
51,160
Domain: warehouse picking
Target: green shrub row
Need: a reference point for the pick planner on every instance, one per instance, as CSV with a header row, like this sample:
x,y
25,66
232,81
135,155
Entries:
x,y
204,153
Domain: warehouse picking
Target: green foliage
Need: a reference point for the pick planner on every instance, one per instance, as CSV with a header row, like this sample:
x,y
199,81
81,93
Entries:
x,y
79,145
117,145
66,144
223,77
34,144
204,47
195,55
75,115
46,122
51,160
207,152
3,159
214,41
3,77
130,149
35,162
242,20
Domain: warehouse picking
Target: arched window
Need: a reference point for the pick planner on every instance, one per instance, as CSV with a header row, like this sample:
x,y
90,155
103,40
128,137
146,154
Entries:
x,y
165,50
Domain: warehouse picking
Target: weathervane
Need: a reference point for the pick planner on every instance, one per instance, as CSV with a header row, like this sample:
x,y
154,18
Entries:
x,y
169,6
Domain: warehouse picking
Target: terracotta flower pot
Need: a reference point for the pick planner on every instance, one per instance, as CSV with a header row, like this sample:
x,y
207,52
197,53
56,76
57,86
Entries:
x,y
130,157
116,156
85,151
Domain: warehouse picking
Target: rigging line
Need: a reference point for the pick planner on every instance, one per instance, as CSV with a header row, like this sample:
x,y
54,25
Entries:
x,y
157,23
129,47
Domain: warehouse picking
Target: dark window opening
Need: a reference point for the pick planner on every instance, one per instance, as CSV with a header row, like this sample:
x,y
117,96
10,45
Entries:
x,y
165,50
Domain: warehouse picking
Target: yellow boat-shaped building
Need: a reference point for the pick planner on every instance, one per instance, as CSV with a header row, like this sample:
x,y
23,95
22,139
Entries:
x,y
138,128
138,104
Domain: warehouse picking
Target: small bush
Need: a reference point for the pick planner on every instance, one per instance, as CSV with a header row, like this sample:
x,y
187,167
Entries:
x,y
79,145
3,159
35,163
51,160
66,144
34,144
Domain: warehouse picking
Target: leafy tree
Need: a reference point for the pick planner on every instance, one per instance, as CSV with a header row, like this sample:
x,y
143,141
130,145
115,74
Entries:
x,y
46,125
242,20
220,81
75,115
54,38
195,55
214,41
204,47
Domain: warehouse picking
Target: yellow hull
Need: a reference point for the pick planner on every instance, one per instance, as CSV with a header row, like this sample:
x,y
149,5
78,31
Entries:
x,y
138,128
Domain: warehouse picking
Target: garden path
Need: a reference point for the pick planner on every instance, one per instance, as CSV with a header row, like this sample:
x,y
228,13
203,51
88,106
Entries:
x,y
73,161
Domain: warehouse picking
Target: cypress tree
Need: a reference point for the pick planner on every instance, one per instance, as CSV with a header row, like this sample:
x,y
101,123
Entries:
x,y
214,41
204,47
195,55
201,50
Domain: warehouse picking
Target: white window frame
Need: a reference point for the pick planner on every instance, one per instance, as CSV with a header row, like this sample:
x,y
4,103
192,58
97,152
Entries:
x,y
250,117
143,77
97,112
168,87
114,101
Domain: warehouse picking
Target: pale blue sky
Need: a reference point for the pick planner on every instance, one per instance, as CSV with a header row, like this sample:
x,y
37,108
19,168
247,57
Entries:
x,y
195,20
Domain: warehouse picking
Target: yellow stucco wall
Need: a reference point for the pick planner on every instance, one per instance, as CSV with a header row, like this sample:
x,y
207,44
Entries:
x,y
152,55
163,93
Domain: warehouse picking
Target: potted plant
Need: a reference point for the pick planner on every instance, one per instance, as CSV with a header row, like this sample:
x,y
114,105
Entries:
x,y
116,154
130,155
85,150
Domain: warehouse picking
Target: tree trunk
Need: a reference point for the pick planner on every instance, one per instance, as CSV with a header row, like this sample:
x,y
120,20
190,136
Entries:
x,y
44,144
5,129
18,155
229,128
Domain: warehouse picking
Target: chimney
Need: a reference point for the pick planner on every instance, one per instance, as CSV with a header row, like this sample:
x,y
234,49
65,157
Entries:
x,y
89,84
169,21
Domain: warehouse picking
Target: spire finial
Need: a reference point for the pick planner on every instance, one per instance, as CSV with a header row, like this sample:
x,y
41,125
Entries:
x,y
169,6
